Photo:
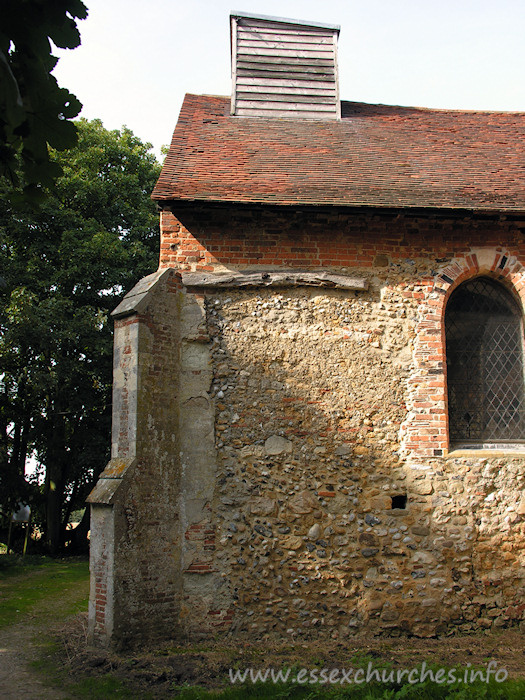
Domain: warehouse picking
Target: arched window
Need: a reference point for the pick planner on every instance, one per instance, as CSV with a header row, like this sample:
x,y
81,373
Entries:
x,y
484,336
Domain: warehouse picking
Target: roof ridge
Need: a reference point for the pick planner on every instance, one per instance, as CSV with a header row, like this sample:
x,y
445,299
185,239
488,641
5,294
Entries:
x,y
419,108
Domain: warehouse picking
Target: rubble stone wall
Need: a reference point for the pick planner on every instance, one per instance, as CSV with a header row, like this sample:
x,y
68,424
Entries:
x,y
310,400
337,504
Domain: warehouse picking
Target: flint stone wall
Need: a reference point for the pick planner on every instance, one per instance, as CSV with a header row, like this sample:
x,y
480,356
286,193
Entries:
x,y
315,490
311,393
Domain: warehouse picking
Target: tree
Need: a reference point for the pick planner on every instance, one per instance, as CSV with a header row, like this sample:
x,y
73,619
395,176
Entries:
x,y
63,267
34,110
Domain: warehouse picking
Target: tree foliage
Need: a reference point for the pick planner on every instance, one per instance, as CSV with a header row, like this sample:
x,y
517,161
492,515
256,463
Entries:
x,y
63,266
34,110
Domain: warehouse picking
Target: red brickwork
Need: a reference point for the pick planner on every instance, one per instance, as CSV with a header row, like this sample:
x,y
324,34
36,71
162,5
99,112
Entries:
x,y
202,535
100,598
302,239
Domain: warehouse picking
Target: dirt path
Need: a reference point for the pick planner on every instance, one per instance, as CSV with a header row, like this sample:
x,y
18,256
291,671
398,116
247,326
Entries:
x,y
27,641
18,681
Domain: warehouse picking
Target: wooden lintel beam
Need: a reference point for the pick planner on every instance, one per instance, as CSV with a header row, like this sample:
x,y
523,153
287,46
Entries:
x,y
210,280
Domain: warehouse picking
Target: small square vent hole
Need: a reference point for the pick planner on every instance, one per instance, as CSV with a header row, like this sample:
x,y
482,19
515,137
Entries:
x,y
399,501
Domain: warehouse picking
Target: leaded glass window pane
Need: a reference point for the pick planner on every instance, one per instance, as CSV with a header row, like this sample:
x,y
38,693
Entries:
x,y
484,364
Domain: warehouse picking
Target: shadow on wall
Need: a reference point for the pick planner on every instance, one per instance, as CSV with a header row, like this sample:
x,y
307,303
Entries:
x,y
318,522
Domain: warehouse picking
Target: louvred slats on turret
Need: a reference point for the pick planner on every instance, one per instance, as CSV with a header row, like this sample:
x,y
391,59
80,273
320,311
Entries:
x,y
283,68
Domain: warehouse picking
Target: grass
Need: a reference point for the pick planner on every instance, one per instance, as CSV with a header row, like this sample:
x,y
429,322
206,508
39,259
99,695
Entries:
x,y
24,583
510,691
428,690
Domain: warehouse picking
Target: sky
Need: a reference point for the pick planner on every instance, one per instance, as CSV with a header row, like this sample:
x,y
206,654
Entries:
x,y
139,57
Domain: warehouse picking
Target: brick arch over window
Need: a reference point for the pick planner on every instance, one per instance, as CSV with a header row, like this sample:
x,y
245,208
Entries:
x,y
425,432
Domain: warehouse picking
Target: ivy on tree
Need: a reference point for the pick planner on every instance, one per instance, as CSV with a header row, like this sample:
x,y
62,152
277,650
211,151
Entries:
x,y
63,268
34,111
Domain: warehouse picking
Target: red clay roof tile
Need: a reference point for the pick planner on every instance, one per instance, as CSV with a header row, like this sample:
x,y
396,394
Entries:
x,y
377,155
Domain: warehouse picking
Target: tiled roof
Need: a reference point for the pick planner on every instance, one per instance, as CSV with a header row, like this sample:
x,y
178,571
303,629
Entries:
x,y
376,155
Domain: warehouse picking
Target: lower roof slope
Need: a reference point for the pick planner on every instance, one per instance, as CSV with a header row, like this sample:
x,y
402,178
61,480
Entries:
x,y
377,155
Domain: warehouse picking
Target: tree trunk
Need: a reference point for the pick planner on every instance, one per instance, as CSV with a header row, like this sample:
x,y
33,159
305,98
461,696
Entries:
x,y
56,465
53,515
